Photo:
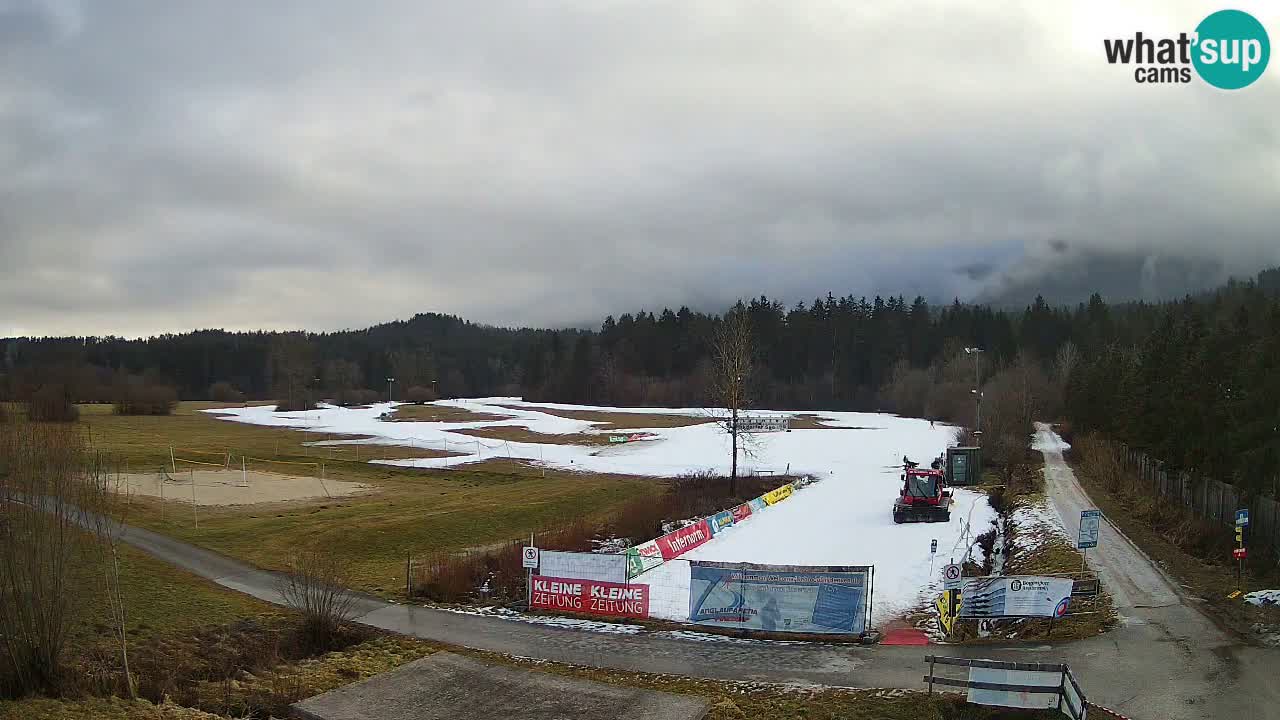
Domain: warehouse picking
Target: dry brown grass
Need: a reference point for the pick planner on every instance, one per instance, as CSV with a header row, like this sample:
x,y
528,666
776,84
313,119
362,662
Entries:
x,y
812,421
455,576
1190,550
514,433
442,413
620,420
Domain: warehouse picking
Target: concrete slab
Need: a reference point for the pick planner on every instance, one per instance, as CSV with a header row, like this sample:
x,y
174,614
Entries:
x,y
445,686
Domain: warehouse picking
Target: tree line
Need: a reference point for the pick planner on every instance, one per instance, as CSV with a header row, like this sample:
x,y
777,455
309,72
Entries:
x,y
1190,381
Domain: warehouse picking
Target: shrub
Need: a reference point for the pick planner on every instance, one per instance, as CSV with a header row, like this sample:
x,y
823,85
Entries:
x,y
38,542
497,574
418,395
302,400
365,396
136,399
315,585
224,391
51,403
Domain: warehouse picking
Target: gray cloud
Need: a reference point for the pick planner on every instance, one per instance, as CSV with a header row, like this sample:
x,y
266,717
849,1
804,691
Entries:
x,y
324,165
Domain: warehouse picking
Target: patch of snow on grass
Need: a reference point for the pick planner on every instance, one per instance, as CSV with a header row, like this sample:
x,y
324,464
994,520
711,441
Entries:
x,y
569,623
1263,598
844,520
1036,524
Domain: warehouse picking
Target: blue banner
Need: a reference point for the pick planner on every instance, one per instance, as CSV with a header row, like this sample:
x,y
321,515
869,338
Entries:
x,y
779,598
720,521
758,504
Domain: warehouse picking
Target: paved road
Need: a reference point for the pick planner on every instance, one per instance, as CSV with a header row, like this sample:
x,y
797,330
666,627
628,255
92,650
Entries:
x,y
1127,572
1179,662
1165,662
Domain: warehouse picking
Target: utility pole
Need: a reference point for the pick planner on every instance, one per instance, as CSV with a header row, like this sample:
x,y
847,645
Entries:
x,y
733,431
389,381
976,352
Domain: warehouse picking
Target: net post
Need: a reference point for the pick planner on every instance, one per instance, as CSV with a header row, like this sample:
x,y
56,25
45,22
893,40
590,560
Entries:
x,y
172,463
195,514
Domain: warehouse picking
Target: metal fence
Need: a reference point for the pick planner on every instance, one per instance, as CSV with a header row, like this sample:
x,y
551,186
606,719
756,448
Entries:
x,y
1211,500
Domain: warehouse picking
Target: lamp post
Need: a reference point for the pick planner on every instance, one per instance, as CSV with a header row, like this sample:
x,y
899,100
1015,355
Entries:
x,y
977,393
389,381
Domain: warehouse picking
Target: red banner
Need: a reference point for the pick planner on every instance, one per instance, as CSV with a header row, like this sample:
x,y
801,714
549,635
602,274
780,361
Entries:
x,y
590,597
674,544
742,512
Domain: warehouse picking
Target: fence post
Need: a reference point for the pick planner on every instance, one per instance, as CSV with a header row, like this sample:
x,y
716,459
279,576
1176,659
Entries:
x,y
408,575
930,674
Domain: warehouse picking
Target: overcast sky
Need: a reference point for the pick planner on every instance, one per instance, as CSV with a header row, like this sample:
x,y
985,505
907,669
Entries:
x,y
315,164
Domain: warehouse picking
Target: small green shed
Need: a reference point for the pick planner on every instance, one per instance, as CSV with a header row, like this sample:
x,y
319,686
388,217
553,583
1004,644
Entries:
x,y
964,465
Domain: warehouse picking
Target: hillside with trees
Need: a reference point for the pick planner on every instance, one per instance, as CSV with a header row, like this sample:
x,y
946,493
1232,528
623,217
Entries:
x,y
1191,381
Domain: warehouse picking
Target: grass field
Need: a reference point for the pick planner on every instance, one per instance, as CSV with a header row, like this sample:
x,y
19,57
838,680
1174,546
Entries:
x,y
620,420
442,413
159,598
143,442
415,512
514,433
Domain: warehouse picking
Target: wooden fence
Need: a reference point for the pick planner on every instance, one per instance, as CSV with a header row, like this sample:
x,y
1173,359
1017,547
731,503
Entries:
x,y
1211,500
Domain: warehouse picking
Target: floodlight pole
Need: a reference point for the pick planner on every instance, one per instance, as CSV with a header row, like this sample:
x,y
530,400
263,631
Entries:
x,y
977,392
389,381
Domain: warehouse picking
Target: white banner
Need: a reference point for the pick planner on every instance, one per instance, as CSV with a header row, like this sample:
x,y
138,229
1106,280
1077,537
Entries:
x,y
1013,698
584,566
1015,596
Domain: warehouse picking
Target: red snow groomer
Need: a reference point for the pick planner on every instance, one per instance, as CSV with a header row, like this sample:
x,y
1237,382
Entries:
x,y
923,497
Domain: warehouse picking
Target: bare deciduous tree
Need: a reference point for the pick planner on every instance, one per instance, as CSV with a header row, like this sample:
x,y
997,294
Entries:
x,y
315,585
1065,361
729,385
101,484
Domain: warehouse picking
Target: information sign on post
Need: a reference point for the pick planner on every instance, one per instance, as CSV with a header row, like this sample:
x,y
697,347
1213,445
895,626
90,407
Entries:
x,y
530,558
1090,529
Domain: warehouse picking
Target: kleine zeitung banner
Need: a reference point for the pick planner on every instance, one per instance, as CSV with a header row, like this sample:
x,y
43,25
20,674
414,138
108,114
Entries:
x,y
589,597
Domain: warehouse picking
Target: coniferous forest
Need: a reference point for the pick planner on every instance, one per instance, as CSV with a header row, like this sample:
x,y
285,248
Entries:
x,y
1192,381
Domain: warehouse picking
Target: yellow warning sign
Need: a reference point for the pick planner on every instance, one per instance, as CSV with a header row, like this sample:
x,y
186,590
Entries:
x,y
948,605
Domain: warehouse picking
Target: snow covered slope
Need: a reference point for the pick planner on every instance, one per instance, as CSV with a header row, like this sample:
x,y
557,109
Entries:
x,y
845,519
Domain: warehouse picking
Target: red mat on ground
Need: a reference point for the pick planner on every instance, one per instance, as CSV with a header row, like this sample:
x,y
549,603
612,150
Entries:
x,y
904,636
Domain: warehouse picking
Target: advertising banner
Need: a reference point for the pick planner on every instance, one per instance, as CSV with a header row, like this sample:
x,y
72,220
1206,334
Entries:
x,y
1015,596
766,423
643,558
584,566
678,542
758,504
590,597
742,512
720,521
779,598
777,495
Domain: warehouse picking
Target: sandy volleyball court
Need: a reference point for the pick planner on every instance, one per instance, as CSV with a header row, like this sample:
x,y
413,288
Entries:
x,y
231,487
